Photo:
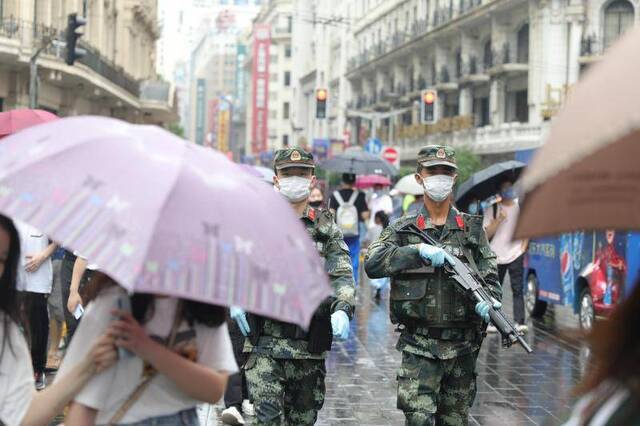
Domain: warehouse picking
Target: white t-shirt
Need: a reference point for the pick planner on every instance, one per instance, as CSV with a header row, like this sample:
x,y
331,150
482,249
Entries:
x,y
506,249
16,376
33,241
107,391
377,203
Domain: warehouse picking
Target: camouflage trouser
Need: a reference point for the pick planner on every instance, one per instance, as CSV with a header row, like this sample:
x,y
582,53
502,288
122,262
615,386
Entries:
x,y
290,387
436,391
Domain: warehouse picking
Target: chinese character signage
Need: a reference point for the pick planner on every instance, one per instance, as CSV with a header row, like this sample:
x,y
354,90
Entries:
x,y
260,84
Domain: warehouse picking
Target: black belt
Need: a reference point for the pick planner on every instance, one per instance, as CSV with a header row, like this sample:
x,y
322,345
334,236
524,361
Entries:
x,y
466,333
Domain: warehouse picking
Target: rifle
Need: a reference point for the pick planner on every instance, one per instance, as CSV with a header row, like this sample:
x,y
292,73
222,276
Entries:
x,y
472,283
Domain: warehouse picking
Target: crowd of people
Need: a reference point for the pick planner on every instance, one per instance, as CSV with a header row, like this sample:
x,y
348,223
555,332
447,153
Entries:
x,y
142,359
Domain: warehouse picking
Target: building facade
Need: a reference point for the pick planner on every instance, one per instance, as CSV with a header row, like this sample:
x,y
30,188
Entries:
x,y
321,36
115,78
501,68
269,89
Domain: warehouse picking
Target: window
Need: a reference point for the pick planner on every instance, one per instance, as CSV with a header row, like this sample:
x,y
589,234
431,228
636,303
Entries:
x,y
487,55
458,63
517,108
285,110
285,141
287,78
523,44
481,111
287,51
289,23
618,18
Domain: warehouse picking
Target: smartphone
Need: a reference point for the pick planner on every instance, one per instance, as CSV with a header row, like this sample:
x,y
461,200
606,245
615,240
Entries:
x,y
78,312
123,303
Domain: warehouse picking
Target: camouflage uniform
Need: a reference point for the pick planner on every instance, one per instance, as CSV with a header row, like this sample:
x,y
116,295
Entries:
x,y
283,376
440,331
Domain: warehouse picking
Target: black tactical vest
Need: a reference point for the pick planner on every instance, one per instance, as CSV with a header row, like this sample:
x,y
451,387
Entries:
x,y
427,297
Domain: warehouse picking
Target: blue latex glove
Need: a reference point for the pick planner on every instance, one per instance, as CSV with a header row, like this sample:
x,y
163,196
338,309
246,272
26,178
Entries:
x,y
435,255
482,309
340,325
240,317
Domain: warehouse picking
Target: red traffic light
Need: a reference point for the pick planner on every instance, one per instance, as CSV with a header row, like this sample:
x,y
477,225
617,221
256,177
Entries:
x,y
321,94
429,97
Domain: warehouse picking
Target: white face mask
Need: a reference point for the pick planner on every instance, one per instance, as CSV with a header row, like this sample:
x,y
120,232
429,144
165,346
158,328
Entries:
x,y
295,188
438,187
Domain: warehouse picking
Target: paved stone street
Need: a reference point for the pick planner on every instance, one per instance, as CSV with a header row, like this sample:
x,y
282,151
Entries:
x,y
513,388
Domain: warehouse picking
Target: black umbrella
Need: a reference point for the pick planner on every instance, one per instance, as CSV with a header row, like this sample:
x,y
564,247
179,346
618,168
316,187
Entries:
x,y
359,162
483,184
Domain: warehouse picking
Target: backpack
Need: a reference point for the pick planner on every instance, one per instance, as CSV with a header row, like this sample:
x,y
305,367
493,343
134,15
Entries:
x,y
347,214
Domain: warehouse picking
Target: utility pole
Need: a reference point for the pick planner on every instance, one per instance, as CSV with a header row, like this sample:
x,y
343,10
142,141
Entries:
x,y
33,75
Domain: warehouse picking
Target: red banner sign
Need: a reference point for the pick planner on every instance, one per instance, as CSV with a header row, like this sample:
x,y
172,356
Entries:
x,y
260,101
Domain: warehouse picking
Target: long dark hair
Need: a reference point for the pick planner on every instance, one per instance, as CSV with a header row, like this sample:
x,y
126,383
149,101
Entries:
x,y
615,345
8,293
142,304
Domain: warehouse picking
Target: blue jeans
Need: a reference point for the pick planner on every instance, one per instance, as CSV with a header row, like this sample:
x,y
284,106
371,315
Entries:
x,y
183,418
354,254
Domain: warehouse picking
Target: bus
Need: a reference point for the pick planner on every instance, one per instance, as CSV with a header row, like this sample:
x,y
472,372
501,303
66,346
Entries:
x,y
587,271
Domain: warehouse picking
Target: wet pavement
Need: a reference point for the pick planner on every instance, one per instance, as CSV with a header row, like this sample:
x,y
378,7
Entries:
x,y
514,388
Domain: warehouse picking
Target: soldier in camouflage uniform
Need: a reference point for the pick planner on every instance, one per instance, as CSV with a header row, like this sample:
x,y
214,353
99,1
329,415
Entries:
x,y
286,369
441,327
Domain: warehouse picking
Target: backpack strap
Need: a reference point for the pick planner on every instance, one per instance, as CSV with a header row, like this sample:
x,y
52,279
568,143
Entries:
x,y
354,196
338,197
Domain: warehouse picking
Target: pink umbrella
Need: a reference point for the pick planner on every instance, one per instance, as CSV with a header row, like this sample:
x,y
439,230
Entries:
x,y
368,181
163,216
15,120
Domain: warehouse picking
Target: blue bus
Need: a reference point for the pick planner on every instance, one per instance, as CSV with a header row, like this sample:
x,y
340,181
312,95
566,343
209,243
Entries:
x,y
588,271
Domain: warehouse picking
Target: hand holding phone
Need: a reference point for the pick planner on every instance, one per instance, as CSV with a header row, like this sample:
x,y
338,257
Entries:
x,y
123,303
78,312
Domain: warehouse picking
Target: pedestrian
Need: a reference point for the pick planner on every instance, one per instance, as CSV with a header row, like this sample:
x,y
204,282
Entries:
x,y
35,277
286,368
19,402
173,355
610,390
71,294
236,396
316,198
56,310
441,327
499,223
380,201
349,206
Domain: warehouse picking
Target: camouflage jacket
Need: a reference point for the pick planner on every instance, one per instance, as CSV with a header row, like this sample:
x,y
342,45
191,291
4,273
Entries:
x,y
389,257
331,246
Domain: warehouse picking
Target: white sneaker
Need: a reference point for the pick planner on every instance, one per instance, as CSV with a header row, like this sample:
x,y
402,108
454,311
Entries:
x,y
248,409
522,328
492,329
231,416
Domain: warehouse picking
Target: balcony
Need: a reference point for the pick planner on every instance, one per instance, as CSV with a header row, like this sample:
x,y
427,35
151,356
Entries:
x,y
509,61
444,81
591,49
157,100
459,132
473,73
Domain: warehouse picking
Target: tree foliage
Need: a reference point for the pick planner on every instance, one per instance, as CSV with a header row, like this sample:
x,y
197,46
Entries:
x,y
468,164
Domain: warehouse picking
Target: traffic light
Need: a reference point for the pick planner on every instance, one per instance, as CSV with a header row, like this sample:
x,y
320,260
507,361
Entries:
x,y
428,106
321,103
74,22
